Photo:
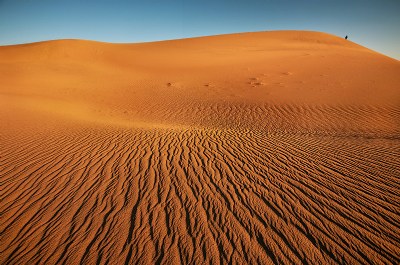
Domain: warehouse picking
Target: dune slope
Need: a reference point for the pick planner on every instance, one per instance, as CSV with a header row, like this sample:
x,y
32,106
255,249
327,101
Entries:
x,y
269,148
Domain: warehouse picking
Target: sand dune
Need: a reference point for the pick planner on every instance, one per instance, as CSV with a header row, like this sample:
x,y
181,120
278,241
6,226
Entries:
x,y
260,148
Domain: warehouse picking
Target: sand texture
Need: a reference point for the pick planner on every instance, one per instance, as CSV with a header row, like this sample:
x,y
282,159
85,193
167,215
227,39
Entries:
x,y
256,148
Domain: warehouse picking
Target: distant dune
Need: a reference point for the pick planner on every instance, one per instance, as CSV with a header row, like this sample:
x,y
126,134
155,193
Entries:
x,y
261,148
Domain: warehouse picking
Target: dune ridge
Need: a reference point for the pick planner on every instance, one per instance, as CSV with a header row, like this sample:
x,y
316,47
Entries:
x,y
255,148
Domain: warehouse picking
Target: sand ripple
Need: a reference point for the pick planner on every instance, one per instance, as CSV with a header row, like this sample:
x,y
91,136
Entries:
x,y
136,196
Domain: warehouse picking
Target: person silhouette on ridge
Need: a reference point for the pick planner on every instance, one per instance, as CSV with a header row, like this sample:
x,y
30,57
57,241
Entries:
x,y
346,37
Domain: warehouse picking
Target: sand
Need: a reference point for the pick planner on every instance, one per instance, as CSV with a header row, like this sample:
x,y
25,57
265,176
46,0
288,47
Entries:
x,y
271,147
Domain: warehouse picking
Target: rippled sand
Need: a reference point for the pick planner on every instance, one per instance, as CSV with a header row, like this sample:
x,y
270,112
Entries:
x,y
271,147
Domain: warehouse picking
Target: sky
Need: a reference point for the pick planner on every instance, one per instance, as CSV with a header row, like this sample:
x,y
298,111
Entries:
x,y
371,23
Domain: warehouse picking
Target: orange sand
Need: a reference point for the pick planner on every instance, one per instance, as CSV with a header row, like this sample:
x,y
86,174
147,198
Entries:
x,y
269,147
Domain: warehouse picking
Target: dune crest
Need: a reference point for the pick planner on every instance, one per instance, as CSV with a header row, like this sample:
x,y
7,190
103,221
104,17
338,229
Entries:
x,y
260,148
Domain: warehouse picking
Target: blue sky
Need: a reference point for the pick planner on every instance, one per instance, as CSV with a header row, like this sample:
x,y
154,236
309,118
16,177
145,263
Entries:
x,y
372,23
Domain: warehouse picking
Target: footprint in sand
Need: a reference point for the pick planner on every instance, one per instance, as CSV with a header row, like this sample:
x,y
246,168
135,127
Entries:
x,y
287,73
255,81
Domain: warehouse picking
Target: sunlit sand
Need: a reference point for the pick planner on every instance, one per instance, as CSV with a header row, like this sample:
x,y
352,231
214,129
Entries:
x,y
270,147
